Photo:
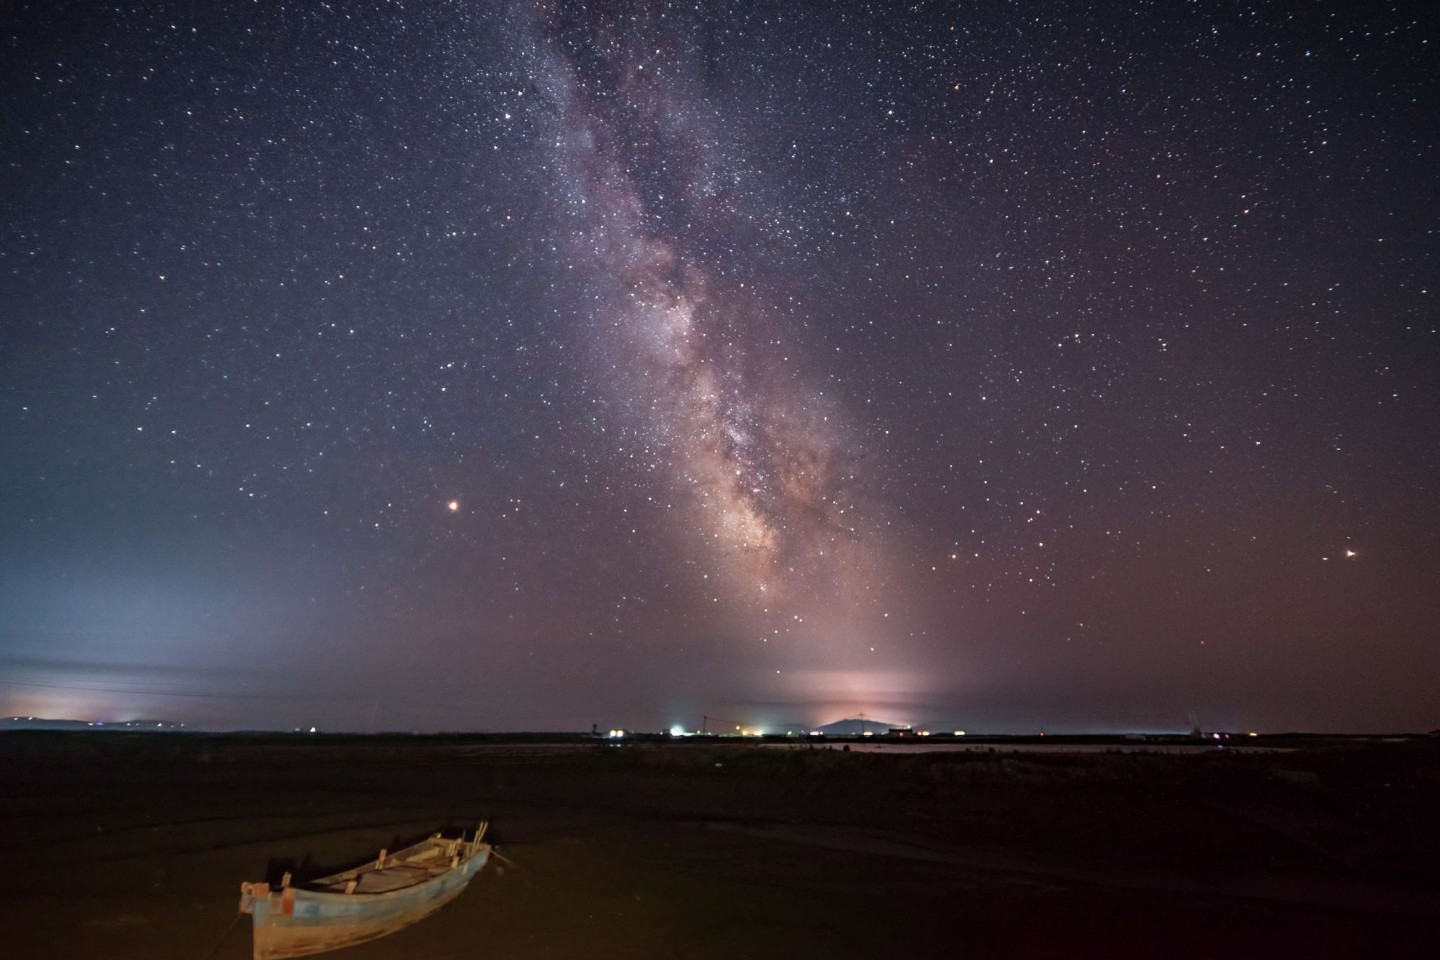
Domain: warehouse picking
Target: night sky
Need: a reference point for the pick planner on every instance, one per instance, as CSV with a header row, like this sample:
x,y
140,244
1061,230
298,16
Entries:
x,y
436,366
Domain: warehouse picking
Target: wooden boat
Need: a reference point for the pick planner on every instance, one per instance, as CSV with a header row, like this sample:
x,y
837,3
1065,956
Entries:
x,y
370,901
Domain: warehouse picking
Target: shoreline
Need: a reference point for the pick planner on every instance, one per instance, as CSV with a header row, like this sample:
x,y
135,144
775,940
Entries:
x,y
136,845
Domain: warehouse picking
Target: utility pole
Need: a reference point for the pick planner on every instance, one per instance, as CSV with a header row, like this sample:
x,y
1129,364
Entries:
x,y
705,724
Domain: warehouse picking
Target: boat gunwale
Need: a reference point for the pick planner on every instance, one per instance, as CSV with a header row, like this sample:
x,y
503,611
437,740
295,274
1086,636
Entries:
x,y
456,844
306,891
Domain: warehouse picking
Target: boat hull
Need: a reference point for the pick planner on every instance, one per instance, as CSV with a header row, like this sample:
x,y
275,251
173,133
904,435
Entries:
x,y
297,923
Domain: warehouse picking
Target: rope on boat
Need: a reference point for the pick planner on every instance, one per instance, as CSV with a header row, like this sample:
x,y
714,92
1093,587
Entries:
x,y
225,936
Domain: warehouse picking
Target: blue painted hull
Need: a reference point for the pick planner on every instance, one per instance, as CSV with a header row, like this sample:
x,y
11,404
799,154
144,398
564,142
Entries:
x,y
296,922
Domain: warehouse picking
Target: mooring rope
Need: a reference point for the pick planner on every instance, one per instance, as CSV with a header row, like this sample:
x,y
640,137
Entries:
x,y
505,860
225,936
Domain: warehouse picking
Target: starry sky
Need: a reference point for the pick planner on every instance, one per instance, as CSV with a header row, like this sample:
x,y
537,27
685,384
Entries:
x,y
533,365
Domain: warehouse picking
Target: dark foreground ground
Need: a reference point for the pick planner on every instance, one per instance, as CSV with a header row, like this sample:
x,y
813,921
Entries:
x,y
120,845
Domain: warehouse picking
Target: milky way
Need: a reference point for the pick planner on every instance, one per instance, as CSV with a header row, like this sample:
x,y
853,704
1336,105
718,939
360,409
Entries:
x,y
756,454
516,365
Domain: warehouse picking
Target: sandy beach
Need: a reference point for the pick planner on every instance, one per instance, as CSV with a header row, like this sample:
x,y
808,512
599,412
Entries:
x,y
122,845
